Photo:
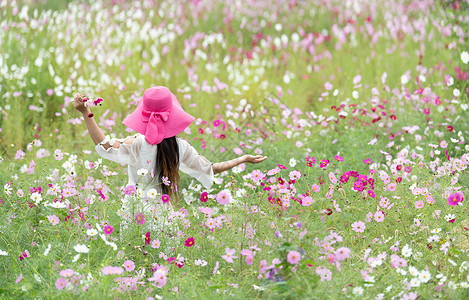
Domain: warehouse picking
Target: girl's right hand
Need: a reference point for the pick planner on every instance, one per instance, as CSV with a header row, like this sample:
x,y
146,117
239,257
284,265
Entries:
x,y
254,159
79,104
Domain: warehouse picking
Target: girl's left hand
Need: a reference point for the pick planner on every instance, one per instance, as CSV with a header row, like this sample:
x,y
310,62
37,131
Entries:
x,y
79,104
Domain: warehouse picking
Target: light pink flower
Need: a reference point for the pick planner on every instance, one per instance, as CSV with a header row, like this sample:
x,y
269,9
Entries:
x,y
229,255
293,257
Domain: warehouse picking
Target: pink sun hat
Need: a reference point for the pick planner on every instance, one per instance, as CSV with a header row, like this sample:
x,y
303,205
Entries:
x,y
158,115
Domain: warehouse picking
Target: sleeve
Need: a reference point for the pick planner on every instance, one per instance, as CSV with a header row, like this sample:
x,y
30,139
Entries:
x,y
195,165
125,154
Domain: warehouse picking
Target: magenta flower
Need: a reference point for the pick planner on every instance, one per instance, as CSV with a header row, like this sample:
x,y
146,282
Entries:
x,y
204,197
223,197
129,265
371,193
324,163
189,242
147,238
338,158
293,257
139,218
165,198
61,283
108,229
455,198
130,189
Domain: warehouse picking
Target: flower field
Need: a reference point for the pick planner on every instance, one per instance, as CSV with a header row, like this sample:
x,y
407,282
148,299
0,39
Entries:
x,y
362,108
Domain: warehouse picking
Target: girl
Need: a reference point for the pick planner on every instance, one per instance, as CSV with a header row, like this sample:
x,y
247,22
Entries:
x,y
155,154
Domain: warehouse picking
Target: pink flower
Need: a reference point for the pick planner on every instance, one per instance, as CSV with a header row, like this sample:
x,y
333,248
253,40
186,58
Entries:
x,y
61,283
155,243
249,260
67,273
257,175
332,178
129,265
130,189
358,226
20,154
379,216
50,92
229,255
223,197
139,218
419,204
293,257
342,253
19,278
392,187
159,277
108,229
263,266
316,188
54,220
110,270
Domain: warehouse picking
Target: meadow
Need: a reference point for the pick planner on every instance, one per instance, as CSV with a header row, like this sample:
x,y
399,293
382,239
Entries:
x,y
362,108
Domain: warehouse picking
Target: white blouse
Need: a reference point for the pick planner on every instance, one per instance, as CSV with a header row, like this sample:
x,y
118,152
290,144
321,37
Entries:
x,y
142,155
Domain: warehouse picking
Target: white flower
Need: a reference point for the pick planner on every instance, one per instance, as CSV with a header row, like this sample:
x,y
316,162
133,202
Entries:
x,y
456,93
404,79
38,279
58,205
152,193
47,250
424,276
450,81
81,248
413,271
452,285
464,284
406,251
449,217
36,197
465,57
292,162
357,291
355,95
3,253
422,78
414,282
436,230
142,172
76,257
7,189
91,232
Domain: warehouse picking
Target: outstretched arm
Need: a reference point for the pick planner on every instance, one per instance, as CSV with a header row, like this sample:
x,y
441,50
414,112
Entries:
x,y
226,165
95,132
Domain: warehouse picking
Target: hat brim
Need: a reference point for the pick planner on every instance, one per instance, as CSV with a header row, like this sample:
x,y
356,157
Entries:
x,y
178,119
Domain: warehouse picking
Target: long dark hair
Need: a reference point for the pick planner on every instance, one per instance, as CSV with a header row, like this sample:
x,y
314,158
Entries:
x,y
167,161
